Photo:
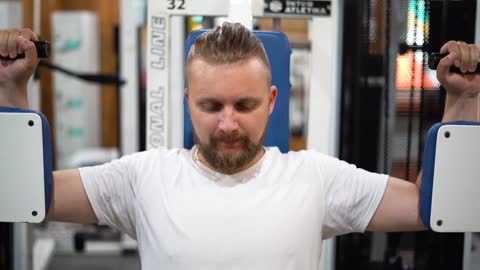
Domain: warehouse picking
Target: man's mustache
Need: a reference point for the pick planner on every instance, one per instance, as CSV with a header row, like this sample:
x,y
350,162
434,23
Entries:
x,y
229,137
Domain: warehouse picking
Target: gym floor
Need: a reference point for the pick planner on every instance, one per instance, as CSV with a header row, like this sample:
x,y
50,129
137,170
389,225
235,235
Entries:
x,y
95,262
80,261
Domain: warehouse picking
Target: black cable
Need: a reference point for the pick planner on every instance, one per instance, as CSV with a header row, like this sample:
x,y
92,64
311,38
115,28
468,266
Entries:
x,y
97,78
426,36
411,97
386,104
43,51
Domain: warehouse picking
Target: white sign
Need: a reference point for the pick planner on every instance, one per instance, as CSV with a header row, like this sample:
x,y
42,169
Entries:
x,y
158,80
297,8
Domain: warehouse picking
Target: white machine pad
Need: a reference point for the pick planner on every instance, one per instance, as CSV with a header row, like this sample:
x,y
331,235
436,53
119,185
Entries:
x,y
22,194
456,185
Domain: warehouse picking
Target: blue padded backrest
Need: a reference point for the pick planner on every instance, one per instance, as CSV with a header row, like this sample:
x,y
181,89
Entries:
x,y
428,170
278,51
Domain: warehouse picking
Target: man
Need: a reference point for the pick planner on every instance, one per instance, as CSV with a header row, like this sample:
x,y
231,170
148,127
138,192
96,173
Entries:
x,y
230,203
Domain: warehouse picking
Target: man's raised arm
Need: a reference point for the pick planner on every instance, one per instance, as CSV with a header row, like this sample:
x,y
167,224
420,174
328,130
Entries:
x,y
69,200
400,206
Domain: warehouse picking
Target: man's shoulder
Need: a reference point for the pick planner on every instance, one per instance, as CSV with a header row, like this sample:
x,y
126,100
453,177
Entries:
x,y
308,158
304,153
158,154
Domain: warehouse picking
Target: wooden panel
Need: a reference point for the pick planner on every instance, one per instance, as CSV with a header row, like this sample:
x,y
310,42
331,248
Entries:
x,y
399,170
376,46
46,78
295,29
109,61
28,14
298,143
108,15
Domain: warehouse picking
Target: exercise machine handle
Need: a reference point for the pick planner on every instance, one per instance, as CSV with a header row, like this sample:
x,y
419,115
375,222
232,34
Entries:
x,y
43,51
434,59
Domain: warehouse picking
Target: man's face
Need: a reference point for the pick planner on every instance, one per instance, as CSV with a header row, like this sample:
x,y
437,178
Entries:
x,y
229,105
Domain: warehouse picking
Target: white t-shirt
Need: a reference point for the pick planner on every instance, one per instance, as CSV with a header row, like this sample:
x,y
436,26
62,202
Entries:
x,y
273,215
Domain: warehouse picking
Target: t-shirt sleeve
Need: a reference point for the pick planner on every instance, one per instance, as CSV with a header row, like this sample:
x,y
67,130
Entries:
x,y
111,191
352,196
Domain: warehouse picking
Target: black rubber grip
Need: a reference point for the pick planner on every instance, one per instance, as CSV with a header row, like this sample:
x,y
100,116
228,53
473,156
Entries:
x,y
434,59
43,51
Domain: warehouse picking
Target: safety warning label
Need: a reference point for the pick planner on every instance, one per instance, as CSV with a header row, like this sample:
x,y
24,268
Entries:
x,y
297,7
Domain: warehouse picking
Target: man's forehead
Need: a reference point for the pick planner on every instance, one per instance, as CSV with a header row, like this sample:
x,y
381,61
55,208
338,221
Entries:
x,y
230,81
231,94
202,64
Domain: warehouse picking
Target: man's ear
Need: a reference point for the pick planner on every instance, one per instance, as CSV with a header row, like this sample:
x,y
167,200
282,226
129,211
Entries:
x,y
273,98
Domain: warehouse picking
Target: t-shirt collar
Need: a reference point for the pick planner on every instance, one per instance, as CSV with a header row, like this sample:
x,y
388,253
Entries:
x,y
228,180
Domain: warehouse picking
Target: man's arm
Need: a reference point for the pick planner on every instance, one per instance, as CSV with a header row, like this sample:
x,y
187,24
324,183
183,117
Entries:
x,y
399,209
69,199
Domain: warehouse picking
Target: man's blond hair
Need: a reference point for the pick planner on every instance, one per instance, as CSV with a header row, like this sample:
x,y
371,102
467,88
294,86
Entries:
x,y
227,44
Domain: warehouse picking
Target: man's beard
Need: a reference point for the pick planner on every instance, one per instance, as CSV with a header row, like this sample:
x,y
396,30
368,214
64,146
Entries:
x,y
229,163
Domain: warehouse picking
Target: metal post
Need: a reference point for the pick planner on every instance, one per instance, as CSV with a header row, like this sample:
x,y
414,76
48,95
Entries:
x,y
129,92
175,115
467,241
22,246
324,97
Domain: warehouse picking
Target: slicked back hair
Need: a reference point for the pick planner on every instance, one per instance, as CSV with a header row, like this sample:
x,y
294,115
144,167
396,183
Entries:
x,y
227,44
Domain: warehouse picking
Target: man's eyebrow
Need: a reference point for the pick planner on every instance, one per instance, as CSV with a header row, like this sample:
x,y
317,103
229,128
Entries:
x,y
241,100
248,99
207,100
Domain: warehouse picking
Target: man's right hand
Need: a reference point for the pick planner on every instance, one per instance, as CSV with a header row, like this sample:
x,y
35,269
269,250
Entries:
x,y
14,74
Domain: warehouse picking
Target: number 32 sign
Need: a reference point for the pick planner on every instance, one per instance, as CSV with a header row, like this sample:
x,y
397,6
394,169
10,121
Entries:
x,y
176,4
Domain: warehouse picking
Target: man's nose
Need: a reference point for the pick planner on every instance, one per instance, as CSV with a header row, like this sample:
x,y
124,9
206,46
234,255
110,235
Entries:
x,y
228,120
